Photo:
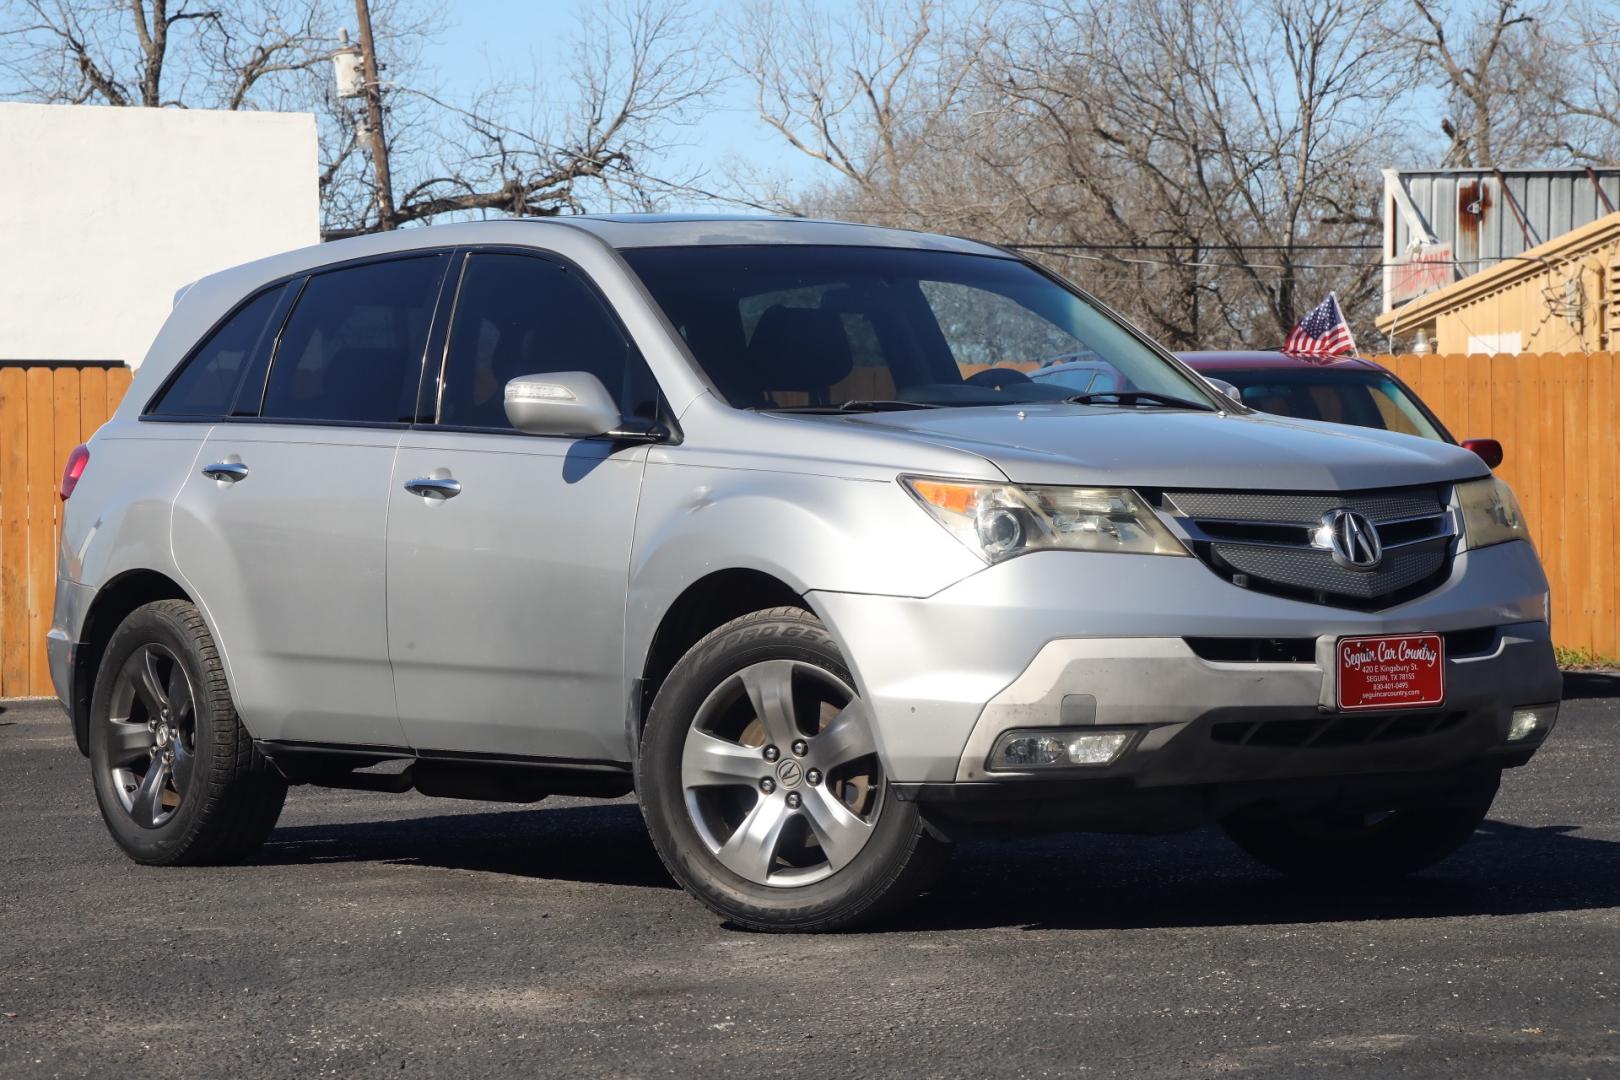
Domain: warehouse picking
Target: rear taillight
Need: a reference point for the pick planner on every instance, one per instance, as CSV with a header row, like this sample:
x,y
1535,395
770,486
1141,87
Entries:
x,y
75,468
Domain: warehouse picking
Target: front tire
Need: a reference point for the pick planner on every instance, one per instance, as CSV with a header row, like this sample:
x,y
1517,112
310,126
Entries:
x,y
1352,849
176,775
762,788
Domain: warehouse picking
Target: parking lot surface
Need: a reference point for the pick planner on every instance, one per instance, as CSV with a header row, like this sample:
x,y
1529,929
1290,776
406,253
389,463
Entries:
x,y
401,935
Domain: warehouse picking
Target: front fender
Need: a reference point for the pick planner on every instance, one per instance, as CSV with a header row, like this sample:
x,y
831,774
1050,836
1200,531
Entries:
x,y
812,533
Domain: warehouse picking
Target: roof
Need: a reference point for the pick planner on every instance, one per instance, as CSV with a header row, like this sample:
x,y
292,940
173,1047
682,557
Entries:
x,y
1216,362
1538,260
688,230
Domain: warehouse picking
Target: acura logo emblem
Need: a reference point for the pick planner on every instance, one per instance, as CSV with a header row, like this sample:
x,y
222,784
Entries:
x,y
1352,539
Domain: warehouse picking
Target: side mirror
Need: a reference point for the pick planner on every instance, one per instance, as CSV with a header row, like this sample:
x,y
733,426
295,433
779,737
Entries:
x,y
1489,450
1226,388
561,403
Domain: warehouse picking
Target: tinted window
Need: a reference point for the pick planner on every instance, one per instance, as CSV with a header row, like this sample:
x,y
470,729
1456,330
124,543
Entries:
x,y
795,326
518,315
352,348
207,385
1361,398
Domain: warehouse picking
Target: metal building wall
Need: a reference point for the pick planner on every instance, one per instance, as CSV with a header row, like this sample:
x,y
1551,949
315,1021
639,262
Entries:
x,y
1465,208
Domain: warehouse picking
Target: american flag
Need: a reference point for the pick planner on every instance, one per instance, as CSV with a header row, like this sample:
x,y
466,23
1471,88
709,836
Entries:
x,y
1322,332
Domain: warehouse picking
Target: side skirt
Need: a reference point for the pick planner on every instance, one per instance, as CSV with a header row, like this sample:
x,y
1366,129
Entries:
x,y
446,774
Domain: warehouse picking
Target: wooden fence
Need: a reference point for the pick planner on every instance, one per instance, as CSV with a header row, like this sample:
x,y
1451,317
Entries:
x,y
45,411
1557,416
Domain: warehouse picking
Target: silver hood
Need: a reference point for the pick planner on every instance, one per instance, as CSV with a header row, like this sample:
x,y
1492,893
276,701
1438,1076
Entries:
x,y
1147,447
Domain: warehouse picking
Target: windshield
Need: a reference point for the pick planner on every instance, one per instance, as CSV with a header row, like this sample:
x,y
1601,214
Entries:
x,y
821,327
1370,399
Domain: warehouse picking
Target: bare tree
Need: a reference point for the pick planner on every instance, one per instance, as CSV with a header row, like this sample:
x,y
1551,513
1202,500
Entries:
x,y
1496,120
1199,163
639,75
636,67
868,93
153,52
1570,66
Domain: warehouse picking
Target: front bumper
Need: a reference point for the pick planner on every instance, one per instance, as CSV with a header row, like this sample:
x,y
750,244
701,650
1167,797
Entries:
x,y
1063,638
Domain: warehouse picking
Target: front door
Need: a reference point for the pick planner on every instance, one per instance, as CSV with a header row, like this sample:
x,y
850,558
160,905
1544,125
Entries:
x,y
507,575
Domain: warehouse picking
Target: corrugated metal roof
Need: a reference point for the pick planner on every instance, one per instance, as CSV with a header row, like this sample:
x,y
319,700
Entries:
x,y
1473,212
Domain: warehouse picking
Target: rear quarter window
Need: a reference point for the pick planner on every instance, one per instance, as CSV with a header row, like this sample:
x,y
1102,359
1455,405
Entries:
x,y
209,379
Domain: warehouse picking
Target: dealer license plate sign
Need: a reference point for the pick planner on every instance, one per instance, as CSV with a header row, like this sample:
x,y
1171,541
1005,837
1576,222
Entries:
x,y
1405,672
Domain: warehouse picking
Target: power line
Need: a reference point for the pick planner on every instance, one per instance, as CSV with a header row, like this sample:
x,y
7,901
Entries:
x,y
1203,264
1195,247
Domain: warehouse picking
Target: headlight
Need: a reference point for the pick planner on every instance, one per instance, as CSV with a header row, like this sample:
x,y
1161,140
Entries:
x,y
1490,513
999,521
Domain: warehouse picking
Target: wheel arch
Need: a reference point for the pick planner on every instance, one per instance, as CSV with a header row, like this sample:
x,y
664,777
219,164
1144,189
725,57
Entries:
x,y
114,602
707,603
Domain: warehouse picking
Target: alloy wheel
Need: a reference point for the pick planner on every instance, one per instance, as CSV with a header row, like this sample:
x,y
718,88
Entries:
x,y
781,775
152,735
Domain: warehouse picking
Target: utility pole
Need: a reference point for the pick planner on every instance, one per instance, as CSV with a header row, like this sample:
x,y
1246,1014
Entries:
x,y
374,119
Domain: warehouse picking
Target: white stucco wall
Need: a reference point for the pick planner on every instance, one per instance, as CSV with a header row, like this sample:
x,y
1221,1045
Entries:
x,y
106,212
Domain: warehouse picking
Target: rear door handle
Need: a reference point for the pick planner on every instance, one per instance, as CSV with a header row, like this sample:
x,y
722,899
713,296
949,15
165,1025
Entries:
x,y
228,471
433,487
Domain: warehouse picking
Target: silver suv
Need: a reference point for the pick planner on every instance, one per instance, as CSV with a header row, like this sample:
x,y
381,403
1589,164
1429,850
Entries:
x,y
759,520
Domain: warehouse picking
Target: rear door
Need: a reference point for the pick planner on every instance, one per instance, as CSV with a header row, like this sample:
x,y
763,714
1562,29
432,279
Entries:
x,y
280,529
506,600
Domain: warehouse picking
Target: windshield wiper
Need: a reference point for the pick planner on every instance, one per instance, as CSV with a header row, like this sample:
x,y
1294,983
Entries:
x,y
1139,397
856,405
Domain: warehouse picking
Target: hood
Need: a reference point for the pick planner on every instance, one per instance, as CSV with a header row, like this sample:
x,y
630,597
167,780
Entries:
x,y
1154,448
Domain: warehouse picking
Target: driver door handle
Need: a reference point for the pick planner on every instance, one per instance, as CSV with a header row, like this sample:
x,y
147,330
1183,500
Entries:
x,y
228,471
433,487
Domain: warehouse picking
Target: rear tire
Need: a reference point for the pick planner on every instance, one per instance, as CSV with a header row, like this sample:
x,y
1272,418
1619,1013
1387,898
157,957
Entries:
x,y
1359,848
763,791
176,775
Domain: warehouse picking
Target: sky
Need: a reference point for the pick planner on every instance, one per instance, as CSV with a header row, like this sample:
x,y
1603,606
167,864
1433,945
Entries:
x,y
491,38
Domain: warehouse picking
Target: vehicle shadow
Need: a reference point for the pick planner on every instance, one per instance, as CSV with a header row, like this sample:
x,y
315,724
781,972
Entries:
x,y
1051,882
603,844
1200,879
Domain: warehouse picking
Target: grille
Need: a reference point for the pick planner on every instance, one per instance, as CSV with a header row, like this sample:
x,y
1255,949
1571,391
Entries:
x,y
1263,540
1293,508
1331,731
1315,571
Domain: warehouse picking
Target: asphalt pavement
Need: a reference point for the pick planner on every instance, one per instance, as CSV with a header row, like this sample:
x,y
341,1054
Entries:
x,y
401,935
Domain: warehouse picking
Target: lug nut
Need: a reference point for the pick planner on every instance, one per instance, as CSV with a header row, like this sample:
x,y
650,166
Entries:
x,y
793,800
800,747
767,785
772,753
812,777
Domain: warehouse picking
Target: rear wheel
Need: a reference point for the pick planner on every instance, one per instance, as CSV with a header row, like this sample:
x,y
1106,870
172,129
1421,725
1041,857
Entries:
x,y
1346,849
762,787
176,775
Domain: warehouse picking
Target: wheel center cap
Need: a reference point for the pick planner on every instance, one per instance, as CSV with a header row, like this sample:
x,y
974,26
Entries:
x,y
789,773
161,736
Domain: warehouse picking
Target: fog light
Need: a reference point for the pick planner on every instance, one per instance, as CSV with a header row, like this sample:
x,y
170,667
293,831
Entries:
x,y
1097,749
1532,722
1057,748
1026,750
